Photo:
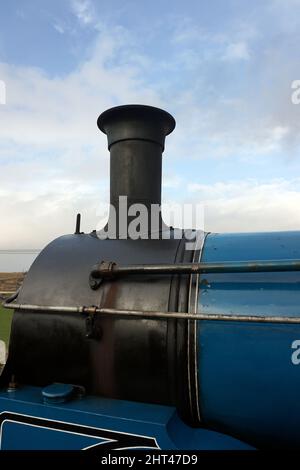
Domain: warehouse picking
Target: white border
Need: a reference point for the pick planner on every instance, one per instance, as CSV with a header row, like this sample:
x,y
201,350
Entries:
x,y
70,432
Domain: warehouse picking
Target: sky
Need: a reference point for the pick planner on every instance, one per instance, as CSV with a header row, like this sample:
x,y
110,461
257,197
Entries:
x,y
224,69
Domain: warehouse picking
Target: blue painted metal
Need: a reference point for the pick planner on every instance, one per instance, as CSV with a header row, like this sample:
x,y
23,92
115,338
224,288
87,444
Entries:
x,y
248,381
160,423
57,393
249,266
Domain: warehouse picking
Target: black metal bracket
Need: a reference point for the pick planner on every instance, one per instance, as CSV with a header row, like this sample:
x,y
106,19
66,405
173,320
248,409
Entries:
x,y
93,329
106,269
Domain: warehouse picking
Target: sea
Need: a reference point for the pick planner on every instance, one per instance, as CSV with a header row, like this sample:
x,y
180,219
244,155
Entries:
x,y
17,260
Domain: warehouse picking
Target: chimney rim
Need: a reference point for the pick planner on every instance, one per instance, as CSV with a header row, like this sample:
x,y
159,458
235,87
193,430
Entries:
x,y
135,111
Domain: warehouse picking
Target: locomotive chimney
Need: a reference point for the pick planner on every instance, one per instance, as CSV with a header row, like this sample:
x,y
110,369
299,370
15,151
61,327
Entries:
x,y
136,138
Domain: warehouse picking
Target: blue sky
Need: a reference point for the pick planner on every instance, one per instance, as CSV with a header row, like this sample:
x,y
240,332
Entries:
x,y
224,69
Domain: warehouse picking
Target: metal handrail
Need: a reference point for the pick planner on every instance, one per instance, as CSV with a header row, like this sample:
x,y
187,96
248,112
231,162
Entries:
x,y
92,310
110,269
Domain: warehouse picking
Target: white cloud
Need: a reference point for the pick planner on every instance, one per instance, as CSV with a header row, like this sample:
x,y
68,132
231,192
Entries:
x,y
54,158
236,51
242,206
199,42
172,181
59,28
35,218
187,31
63,111
84,11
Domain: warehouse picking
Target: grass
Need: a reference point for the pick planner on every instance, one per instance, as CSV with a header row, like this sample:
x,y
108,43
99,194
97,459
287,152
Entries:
x,y
5,322
8,282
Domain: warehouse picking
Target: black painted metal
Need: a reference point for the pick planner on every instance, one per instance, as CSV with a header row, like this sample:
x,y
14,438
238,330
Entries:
x,y
130,360
78,220
136,136
136,122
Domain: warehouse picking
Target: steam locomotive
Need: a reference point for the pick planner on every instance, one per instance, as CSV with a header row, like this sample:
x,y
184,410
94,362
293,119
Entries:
x,y
121,343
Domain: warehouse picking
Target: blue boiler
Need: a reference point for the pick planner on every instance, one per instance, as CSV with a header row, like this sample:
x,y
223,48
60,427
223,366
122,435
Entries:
x,y
249,373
